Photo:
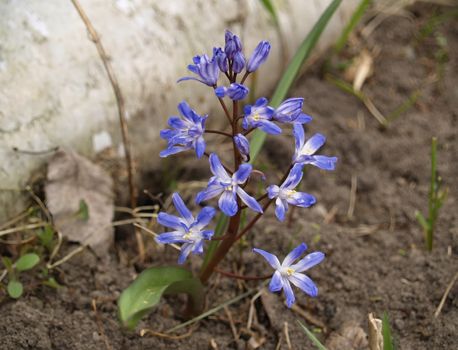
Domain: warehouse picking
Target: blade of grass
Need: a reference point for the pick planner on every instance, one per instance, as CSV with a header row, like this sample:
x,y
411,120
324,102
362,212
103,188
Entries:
x,y
292,71
213,310
386,332
219,230
354,20
312,336
269,6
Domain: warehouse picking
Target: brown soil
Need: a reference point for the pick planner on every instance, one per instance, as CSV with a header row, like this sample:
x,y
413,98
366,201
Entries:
x,y
375,261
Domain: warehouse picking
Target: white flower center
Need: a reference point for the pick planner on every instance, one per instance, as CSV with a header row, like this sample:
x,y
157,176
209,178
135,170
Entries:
x,y
287,271
193,234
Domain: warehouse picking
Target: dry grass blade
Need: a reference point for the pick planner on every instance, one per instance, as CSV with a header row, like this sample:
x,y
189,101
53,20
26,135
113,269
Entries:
x,y
100,325
23,228
444,297
211,311
146,331
352,201
308,317
288,341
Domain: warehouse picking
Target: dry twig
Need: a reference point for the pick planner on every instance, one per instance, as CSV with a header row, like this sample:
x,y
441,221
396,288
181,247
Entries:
x,y
288,341
122,116
100,325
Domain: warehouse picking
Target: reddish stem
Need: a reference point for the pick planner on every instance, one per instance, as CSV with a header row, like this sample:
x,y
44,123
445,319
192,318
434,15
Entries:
x,y
218,132
242,277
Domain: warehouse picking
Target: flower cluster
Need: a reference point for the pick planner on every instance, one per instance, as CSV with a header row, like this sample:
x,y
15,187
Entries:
x,y
231,184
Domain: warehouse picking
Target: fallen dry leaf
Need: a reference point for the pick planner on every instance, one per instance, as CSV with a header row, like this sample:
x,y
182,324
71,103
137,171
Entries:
x,y
361,69
375,333
349,337
74,182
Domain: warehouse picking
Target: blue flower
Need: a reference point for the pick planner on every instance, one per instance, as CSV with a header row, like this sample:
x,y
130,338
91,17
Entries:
x,y
290,111
304,152
259,56
228,187
286,193
207,69
235,91
287,272
233,45
260,116
186,133
242,144
186,229
221,59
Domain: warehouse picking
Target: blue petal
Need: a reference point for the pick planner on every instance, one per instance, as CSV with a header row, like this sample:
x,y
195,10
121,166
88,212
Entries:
x,y
299,136
211,191
220,91
186,110
276,283
309,261
207,234
302,199
294,254
217,168
176,122
171,150
313,144
200,147
190,78
185,250
280,209
323,162
294,177
167,134
290,298
228,203
205,216
172,221
262,101
170,237
241,175
269,127
271,259
198,247
304,283
272,191
248,200
182,209
303,119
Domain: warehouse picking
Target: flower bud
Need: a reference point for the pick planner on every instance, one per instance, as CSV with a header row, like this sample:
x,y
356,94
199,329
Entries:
x,y
259,56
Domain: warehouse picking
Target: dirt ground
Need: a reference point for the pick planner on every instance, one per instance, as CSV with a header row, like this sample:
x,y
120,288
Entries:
x,y
376,260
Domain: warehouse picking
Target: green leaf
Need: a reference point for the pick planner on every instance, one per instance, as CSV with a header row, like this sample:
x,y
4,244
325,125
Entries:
x,y
292,71
421,220
27,262
386,332
147,289
354,20
271,9
15,289
83,211
7,263
46,236
219,230
312,336
51,282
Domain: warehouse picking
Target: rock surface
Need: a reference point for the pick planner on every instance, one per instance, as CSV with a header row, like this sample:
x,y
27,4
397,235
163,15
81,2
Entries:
x,y
54,90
